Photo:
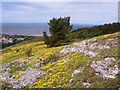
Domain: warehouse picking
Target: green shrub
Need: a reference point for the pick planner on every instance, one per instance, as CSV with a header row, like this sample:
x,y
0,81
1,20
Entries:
x,y
29,52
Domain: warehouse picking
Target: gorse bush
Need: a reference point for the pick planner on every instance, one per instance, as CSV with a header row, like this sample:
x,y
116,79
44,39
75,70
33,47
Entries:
x,y
54,57
29,52
51,58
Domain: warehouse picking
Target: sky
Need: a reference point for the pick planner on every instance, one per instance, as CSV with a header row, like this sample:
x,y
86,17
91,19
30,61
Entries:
x,y
42,12
60,0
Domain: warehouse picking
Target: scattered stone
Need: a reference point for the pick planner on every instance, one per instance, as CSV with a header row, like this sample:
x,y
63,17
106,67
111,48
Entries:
x,y
110,39
41,62
21,64
27,77
16,86
78,71
37,64
102,67
66,59
85,46
119,61
8,69
18,60
87,85
6,74
70,49
97,74
72,74
70,80
97,46
21,72
79,47
13,81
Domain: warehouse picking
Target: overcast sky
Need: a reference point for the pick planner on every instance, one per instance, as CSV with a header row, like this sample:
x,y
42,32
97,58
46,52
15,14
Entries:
x,y
42,12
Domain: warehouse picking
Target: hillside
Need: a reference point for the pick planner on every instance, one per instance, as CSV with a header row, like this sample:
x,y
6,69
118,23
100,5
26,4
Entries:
x,y
85,33
90,63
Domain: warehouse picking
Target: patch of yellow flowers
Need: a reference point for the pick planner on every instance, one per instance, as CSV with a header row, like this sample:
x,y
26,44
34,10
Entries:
x,y
18,76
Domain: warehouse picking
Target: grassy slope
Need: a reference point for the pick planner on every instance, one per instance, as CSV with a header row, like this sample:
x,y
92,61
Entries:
x,y
58,73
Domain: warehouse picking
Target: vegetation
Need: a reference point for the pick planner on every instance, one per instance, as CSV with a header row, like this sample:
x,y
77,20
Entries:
x,y
45,37
3,45
58,71
58,67
59,30
29,52
19,36
85,33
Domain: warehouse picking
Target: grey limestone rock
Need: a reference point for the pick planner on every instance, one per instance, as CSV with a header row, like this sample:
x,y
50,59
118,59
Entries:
x,y
101,67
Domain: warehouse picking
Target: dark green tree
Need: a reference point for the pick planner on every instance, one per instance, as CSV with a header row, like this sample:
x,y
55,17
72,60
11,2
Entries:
x,y
45,37
59,29
15,41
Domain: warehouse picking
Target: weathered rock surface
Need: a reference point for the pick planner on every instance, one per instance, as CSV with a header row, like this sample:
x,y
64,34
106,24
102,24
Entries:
x,y
18,60
78,71
87,46
84,47
104,68
27,77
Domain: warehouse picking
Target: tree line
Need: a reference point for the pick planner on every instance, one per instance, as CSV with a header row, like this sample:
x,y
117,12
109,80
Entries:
x,y
60,30
84,33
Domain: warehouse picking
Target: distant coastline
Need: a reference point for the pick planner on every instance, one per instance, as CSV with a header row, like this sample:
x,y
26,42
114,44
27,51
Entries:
x,y
22,34
32,29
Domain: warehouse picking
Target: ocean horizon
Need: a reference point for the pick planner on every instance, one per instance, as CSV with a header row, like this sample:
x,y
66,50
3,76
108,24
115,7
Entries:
x,y
32,29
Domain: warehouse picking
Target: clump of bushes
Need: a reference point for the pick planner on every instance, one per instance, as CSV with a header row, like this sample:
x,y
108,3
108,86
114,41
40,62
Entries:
x,y
51,58
5,85
29,52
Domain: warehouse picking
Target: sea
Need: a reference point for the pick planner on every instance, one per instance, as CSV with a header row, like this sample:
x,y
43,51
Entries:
x,y
32,29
